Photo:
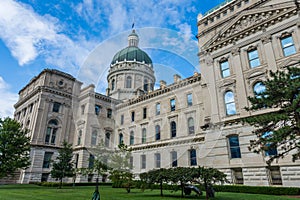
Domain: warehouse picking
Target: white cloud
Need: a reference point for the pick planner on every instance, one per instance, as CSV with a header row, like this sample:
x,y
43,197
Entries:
x,y
6,103
29,35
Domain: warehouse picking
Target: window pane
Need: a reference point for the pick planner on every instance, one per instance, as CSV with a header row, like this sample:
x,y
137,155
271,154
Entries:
x,y
191,125
254,63
131,141
173,129
173,104
225,72
157,160
259,88
288,46
56,107
174,158
121,139
47,159
189,100
157,132
94,138
143,161
229,103
143,135
97,109
193,157
158,109
289,51
234,147
253,54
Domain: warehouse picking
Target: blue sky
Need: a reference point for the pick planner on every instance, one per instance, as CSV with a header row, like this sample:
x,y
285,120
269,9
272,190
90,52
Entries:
x,y
80,37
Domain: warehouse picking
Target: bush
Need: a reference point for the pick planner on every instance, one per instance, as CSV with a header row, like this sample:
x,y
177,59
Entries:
x,y
56,184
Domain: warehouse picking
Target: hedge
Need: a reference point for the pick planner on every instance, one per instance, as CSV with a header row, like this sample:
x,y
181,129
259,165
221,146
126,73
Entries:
x,y
56,184
258,189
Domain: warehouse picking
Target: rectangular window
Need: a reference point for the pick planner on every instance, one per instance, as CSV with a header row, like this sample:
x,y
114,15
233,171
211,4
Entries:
x,y
174,158
94,138
234,146
24,112
144,113
143,161
109,113
97,109
132,116
91,161
275,175
56,107
238,176
172,104
193,157
157,160
122,119
288,46
189,98
253,58
224,66
47,159
30,107
158,109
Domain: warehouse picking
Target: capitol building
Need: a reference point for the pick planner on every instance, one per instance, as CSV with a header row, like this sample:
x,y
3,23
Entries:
x,y
191,122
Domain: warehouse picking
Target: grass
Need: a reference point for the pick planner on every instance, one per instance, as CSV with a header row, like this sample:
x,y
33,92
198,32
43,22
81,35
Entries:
x,y
33,192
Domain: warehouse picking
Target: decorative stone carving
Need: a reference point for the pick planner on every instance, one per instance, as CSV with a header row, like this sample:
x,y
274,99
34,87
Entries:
x,y
235,51
266,39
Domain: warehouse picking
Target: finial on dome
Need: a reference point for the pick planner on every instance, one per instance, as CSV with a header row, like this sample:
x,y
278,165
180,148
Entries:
x,y
133,39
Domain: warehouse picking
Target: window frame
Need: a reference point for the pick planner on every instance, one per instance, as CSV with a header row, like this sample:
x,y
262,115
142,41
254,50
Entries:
x,y
144,135
189,99
128,82
234,150
172,104
229,103
143,161
173,129
253,60
56,107
131,138
283,47
224,70
157,133
157,160
193,157
157,108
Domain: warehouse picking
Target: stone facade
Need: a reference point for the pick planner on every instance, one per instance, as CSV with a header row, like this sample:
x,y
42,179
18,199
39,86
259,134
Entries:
x,y
187,123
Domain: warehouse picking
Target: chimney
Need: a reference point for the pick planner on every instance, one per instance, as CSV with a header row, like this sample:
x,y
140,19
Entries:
x,y
162,84
176,78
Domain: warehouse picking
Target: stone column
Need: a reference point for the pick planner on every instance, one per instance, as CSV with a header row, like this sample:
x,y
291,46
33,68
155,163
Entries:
x,y
240,92
269,52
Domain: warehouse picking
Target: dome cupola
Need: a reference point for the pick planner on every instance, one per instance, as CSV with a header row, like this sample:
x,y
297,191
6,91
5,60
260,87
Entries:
x,y
131,71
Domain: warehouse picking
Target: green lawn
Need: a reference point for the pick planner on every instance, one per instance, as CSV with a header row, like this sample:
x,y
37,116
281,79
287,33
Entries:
x,y
33,192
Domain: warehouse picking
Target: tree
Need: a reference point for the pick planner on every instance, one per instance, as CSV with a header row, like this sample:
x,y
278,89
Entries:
x,y
208,177
14,147
100,161
181,175
280,127
64,165
121,169
159,176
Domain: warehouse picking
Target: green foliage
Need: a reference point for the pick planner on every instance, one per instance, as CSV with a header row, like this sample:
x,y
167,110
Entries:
x,y
180,177
14,147
282,97
120,173
64,165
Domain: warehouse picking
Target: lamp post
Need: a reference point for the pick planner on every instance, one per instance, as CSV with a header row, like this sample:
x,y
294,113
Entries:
x,y
96,195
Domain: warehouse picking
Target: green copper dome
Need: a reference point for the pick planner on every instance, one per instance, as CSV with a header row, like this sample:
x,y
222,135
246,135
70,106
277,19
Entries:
x,y
132,53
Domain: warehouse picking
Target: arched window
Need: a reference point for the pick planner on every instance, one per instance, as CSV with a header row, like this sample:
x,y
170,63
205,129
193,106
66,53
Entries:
x,y
144,132
51,131
229,103
107,139
113,82
258,89
121,141
94,138
157,132
146,85
173,129
191,125
131,141
128,82
79,137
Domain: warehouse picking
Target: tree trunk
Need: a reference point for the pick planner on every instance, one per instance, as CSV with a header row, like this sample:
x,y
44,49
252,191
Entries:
x,y
60,183
161,189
